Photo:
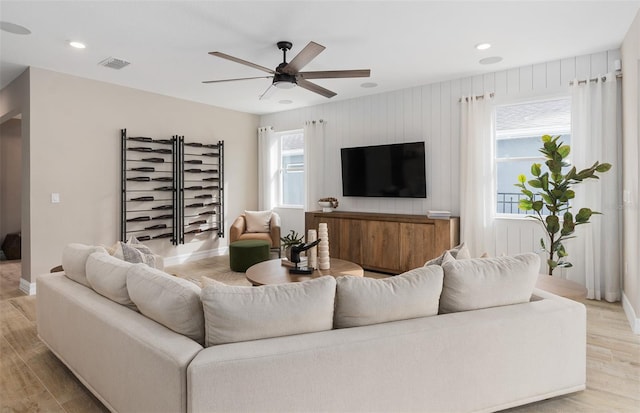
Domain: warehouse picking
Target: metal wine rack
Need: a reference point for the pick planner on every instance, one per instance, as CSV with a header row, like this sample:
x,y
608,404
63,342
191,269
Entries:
x,y
171,188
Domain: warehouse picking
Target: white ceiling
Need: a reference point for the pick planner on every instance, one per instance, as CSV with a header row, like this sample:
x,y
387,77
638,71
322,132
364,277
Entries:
x,y
404,43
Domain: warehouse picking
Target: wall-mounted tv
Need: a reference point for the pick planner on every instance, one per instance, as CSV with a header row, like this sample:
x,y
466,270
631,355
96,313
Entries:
x,y
396,171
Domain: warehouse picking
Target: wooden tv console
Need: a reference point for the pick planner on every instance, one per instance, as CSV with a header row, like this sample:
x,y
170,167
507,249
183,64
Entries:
x,y
391,243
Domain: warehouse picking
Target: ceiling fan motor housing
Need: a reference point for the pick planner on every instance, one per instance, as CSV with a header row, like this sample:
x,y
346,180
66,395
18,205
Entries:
x,y
284,81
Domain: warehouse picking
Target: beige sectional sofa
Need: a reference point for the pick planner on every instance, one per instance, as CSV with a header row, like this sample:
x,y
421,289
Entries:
x,y
333,345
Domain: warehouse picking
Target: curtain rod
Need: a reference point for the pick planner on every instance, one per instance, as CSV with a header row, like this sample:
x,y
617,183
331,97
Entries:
x,y
595,79
466,98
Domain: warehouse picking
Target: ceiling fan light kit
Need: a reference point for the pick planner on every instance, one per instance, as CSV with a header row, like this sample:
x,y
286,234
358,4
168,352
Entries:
x,y
288,75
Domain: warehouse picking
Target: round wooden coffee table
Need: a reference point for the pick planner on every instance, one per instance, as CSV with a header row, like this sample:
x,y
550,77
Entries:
x,y
273,272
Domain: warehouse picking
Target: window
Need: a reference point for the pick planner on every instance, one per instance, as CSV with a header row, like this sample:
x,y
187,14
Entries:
x,y
291,186
518,129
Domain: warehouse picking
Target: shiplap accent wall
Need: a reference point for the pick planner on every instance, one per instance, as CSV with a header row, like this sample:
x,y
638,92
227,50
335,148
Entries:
x,y
432,113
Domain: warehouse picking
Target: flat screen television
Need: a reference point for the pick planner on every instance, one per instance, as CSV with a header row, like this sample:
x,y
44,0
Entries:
x,y
395,171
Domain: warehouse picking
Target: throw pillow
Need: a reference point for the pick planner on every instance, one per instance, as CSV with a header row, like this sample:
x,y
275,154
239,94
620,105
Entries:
x,y
459,252
361,301
171,301
258,221
236,313
74,261
108,277
488,282
133,251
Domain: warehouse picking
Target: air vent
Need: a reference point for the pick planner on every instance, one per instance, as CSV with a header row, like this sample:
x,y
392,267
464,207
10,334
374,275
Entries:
x,y
114,63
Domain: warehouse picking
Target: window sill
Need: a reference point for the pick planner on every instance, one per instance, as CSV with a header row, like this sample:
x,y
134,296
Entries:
x,y
513,217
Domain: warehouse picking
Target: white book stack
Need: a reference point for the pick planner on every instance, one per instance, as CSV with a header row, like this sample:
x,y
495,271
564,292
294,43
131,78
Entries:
x,y
438,214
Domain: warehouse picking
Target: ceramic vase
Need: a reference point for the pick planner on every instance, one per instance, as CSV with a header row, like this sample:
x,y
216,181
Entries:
x,y
324,262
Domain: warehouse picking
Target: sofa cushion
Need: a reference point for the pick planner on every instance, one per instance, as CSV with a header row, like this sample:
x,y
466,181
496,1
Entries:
x,y
258,221
168,300
459,252
488,282
74,261
237,313
107,275
362,301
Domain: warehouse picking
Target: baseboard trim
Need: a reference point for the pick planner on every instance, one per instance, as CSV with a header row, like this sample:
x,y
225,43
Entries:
x,y
194,256
634,321
27,287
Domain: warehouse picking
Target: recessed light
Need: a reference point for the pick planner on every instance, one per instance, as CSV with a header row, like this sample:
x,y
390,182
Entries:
x,y
368,85
490,60
285,102
483,46
77,45
14,28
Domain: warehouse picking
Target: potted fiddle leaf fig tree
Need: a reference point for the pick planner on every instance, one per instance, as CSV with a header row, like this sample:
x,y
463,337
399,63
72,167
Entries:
x,y
549,196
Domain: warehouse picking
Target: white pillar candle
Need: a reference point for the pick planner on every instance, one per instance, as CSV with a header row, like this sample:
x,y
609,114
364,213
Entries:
x,y
312,261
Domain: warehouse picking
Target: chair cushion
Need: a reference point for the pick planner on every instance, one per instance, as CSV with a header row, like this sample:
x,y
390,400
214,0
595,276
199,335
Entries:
x,y
236,313
362,301
108,277
258,221
171,301
74,261
488,282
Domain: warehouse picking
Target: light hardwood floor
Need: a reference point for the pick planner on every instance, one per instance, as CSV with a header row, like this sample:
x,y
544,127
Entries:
x,y
32,379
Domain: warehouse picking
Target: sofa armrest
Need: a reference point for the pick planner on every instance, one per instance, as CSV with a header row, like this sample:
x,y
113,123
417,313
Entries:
x,y
238,228
274,230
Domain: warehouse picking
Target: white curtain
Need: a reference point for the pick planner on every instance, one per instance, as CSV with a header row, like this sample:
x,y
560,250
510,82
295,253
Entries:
x,y
595,137
314,162
477,176
267,168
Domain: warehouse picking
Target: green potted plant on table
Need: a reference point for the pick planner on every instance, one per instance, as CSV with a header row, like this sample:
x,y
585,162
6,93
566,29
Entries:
x,y
550,198
288,241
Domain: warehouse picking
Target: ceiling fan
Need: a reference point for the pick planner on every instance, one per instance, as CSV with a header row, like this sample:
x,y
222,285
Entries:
x,y
288,75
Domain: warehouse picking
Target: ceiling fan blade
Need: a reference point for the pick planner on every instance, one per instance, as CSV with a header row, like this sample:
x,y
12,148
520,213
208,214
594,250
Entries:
x,y
326,74
271,90
242,62
233,80
306,55
315,88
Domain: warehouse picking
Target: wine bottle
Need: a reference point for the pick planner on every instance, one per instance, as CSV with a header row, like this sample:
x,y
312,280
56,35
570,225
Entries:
x,y
193,170
165,216
143,198
137,219
162,179
199,222
143,238
163,188
193,161
165,235
210,179
144,169
158,226
212,154
140,139
162,207
156,160
204,196
139,149
194,188
139,179
197,205
161,150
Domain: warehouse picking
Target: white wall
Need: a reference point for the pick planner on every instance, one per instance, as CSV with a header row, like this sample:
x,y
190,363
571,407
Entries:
x,y
75,151
631,175
10,177
432,113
